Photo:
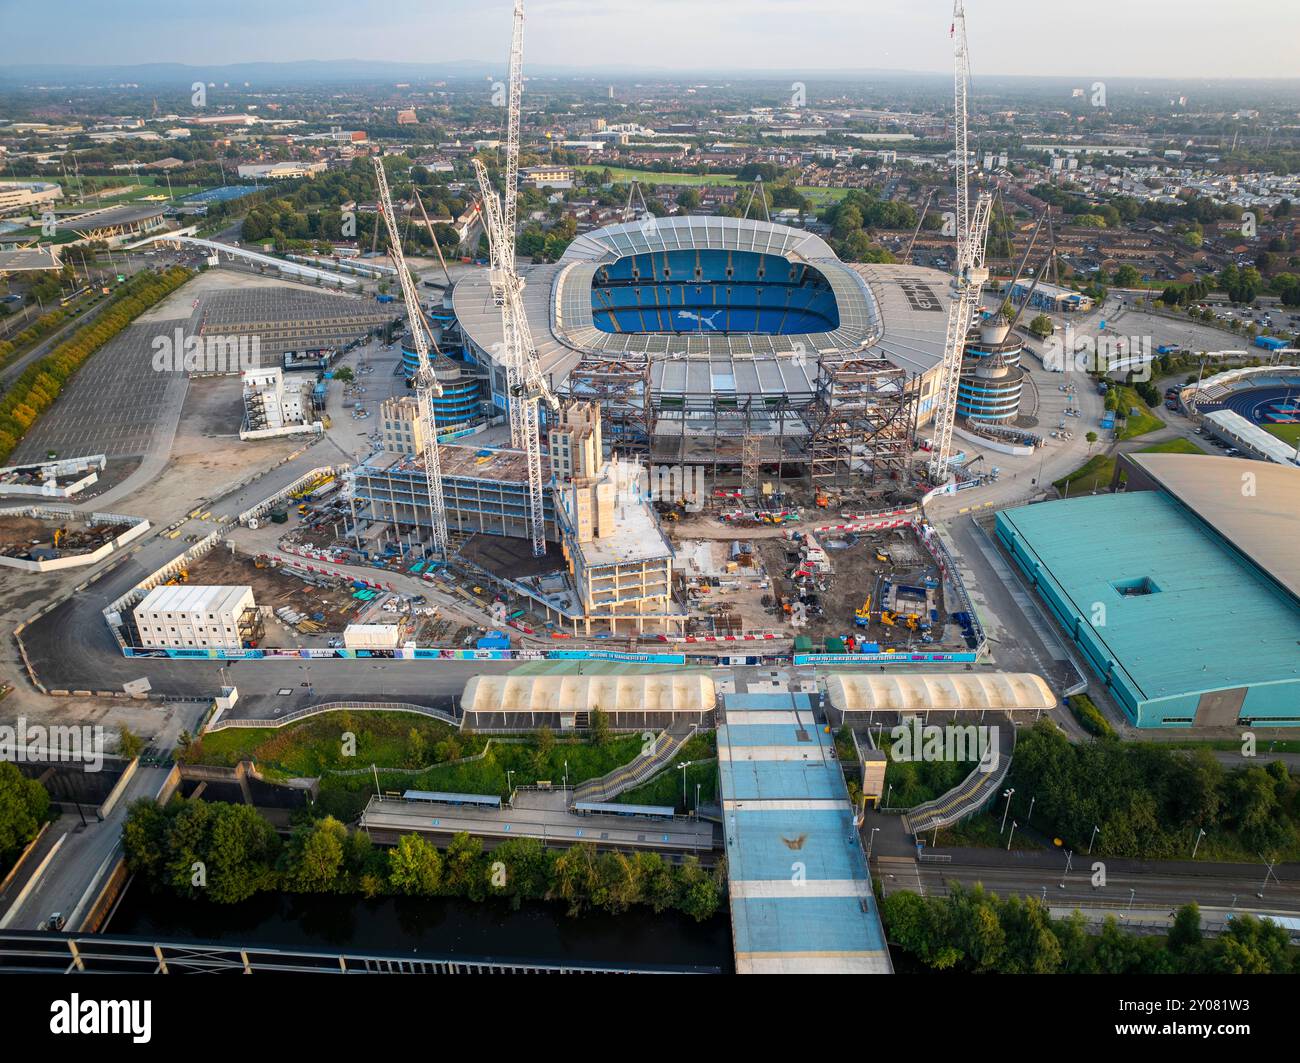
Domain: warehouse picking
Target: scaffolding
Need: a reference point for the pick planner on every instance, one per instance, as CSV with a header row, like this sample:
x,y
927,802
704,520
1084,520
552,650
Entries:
x,y
862,424
621,387
856,422
749,464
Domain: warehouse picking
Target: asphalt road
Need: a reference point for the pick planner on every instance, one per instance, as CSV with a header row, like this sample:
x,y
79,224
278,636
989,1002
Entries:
x,y
82,855
1156,884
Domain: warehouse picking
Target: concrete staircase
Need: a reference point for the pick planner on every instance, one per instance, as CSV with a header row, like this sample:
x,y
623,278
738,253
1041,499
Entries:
x,y
967,797
641,770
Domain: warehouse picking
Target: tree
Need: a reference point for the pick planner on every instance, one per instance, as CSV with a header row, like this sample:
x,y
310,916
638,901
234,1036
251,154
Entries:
x,y
465,872
344,375
415,867
1041,326
1092,438
24,805
1127,277
600,732
1185,933
315,861
128,745
241,853
415,748
544,737
524,872
144,839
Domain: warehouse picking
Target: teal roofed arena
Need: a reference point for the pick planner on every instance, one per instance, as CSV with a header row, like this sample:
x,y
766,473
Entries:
x,y
1182,596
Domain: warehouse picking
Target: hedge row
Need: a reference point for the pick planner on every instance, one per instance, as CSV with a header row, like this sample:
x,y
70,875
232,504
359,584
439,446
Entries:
x,y
45,324
42,382
1090,717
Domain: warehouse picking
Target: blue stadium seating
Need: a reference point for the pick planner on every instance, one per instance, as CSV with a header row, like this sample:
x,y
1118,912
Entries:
x,y
711,291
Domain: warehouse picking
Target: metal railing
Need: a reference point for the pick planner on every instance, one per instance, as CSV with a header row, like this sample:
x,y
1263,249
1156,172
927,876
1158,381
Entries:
x,y
964,799
338,706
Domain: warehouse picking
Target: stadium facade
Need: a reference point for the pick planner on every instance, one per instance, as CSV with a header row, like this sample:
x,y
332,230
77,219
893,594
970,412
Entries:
x,y
734,344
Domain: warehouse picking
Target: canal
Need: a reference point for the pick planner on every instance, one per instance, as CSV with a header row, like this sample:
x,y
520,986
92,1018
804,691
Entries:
x,y
405,926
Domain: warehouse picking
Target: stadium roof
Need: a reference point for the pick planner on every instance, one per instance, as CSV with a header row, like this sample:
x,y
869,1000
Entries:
x,y
1252,436
975,691
111,217
859,318
688,232
1261,524
892,311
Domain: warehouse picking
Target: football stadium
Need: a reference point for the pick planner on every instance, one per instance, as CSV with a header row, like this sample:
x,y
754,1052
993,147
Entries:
x,y
1256,409
738,345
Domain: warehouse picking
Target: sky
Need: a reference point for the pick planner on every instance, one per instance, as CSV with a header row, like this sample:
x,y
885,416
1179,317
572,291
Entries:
x,y
1098,38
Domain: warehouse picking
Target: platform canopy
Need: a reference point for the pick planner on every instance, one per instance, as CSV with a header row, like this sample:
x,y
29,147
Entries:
x,y
943,692
689,693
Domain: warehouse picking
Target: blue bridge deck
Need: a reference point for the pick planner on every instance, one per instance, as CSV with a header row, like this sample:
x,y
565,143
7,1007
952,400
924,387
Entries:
x,y
801,897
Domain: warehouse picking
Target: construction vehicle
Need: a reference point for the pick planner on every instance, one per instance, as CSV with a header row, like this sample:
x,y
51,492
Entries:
x,y
884,557
822,502
863,616
911,621
59,535
888,619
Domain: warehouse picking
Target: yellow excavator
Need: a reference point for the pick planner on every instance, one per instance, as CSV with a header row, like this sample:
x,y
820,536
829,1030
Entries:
x,y
888,619
59,535
863,616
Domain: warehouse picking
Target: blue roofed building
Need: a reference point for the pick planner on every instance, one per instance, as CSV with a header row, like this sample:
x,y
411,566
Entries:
x,y
1183,593
801,900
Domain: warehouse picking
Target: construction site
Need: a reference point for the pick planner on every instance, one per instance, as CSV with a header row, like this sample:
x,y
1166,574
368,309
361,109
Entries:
x,y
32,538
838,591
303,607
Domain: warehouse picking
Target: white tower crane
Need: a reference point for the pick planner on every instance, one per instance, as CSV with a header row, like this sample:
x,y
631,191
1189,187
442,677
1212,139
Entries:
x,y
971,273
514,112
524,381
426,383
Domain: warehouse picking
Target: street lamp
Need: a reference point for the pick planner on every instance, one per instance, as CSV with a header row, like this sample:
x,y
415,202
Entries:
x,y
1014,825
566,775
1095,831
1007,794
871,841
888,794
1267,873
683,766
1131,894
1031,808
1199,835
